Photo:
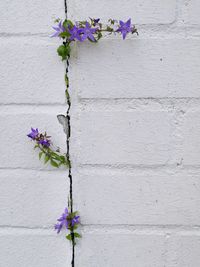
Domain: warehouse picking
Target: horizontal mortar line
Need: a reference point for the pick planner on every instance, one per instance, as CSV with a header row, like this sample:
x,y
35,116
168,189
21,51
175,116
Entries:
x,y
143,226
32,104
93,99
108,228
129,166
29,169
147,32
32,109
150,26
100,167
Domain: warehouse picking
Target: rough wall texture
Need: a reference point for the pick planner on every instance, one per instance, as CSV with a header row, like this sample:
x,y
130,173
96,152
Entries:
x,y
135,139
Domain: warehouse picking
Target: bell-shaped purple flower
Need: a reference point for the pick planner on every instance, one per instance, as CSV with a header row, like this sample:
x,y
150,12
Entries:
x,y
58,29
75,33
87,32
33,134
125,28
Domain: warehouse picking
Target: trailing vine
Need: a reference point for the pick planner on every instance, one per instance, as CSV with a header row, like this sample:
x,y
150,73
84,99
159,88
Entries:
x,y
69,32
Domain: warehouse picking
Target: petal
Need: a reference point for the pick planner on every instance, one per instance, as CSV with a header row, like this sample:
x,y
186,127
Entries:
x,y
121,23
124,35
128,23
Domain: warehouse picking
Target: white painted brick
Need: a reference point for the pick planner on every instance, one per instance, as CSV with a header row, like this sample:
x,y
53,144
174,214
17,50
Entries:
x,y
32,198
138,68
141,12
184,249
30,72
26,16
16,149
193,12
33,248
121,248
191,138
133,137
138,199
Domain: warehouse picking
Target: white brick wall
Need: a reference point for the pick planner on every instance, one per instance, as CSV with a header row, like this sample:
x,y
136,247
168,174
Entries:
x,y
135,136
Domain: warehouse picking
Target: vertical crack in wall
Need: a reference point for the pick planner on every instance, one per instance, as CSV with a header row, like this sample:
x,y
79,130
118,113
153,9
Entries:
x,y
70,200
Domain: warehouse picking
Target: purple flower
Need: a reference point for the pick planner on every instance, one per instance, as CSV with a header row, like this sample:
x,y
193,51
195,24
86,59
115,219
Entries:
x,y
67,220
62,221
33,134
125,28
75,220
87,32
75,33
59,29
45,143
58,227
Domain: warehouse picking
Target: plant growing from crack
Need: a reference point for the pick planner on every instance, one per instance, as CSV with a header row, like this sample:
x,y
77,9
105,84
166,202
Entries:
x,y
69,32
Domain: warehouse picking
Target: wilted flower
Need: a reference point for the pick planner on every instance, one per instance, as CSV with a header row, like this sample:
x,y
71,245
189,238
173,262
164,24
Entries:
x,y
59,29
125,28
96,21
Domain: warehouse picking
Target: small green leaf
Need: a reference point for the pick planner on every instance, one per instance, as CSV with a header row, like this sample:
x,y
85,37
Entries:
x,y
64,34
54,163
46,158
77,235
40,154
69,237
68,23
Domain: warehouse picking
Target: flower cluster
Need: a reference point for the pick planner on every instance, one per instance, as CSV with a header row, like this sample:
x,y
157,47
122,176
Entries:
x,y
91,30
70,221
41,139
44,144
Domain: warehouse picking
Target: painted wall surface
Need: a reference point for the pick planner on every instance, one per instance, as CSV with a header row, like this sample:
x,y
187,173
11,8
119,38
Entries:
x,y
135,142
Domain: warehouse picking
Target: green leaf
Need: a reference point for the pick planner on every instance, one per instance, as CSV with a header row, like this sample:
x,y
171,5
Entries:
x,y
40,154
64,51
46,158
77,235
64,34
54,163
68,23
69,237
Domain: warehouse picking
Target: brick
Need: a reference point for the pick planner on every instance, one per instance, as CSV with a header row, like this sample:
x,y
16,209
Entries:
x,y
191,133
138,199
31,72
33,248
138,68
134,137
184,249
193,7
141,12
121,248
28,16
32,198
16,150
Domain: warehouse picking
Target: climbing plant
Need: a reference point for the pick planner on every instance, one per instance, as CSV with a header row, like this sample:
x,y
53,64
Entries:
x,y
69,32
